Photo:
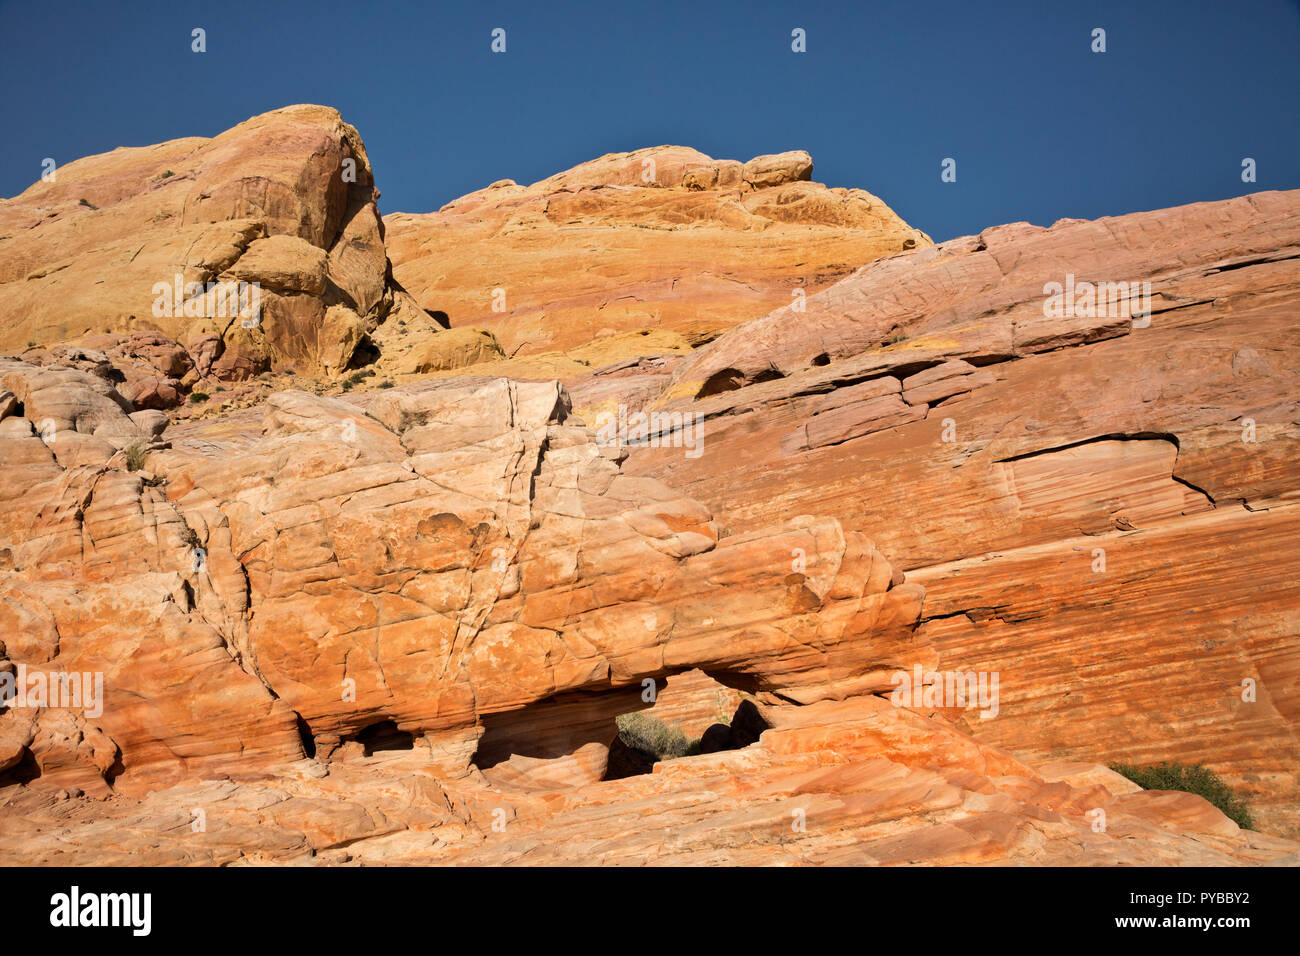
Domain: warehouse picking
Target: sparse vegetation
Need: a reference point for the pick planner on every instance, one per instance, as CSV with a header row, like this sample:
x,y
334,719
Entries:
x,y
191,537
356,378
198,398
1190,778
136,453
652,736
87,203
384,384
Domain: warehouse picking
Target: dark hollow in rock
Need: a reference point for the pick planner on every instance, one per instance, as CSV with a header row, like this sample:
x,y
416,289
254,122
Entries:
x,y
385,736
716,739
24,771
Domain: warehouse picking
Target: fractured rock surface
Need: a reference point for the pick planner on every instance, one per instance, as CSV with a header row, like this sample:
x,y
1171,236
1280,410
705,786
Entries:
x,y
397,624
990,450
285,200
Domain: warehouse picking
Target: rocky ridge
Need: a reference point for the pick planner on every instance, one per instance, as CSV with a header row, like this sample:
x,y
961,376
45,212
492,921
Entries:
x,y
396,623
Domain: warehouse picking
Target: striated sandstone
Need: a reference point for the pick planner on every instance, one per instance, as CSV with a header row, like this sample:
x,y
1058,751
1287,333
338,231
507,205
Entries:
x,y
989,450
397,625
849,783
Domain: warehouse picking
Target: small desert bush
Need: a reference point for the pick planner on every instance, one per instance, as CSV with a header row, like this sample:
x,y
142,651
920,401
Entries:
x,y
1192,778
136,453
198,398
652,736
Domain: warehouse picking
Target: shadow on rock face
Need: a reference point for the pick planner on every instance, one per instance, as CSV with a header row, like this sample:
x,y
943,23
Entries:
x,y
625,761
384,736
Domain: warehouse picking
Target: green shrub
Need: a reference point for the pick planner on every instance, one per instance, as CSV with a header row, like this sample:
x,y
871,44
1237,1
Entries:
x,y
136,453
1192,778
652,736
356,378
198,398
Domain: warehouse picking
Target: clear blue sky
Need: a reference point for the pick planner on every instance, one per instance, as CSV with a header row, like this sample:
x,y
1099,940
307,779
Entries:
x,y
1040,126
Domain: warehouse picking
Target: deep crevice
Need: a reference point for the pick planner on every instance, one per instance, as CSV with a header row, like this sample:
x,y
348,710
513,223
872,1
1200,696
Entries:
x,y
1114,436
305,735
1208,497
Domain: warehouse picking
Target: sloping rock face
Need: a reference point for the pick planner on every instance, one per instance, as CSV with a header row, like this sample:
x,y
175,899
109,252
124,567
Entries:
x,y
459,551
464,564
96,569
164,240
398,625
657,239
856,782
1102,508
399,631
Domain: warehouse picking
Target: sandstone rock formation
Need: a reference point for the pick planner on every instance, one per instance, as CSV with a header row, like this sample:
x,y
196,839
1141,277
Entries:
x,y
130,241
990,450
397,625
661,240
845,783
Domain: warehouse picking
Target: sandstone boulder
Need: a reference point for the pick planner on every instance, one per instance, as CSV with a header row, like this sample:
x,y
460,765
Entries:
x,y
133,241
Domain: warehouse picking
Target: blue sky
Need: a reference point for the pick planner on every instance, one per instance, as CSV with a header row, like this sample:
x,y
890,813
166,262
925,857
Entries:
x,y
1040,126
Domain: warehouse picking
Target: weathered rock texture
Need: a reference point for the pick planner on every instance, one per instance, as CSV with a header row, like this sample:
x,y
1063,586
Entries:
x,y
845,783
990,450
285,200
662,240
458,552
398,625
